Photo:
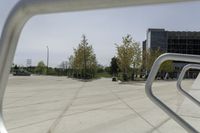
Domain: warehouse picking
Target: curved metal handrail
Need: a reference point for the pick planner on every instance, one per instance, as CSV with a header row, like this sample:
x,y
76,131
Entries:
x,y
157,101
181,76
24,10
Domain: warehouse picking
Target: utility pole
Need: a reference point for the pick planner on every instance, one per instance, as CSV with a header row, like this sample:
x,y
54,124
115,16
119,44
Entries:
x,y
47,59
84,63
84,55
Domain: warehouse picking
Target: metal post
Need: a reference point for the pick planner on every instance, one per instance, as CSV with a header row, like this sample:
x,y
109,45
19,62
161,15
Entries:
x,y
181,76
47,59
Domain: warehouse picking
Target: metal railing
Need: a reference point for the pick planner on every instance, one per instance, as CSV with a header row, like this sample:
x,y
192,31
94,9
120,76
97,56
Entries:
x,y
181,76
157,101
26,9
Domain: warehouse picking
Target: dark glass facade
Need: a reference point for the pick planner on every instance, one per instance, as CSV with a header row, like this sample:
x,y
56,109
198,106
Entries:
x,y
174,41
184,42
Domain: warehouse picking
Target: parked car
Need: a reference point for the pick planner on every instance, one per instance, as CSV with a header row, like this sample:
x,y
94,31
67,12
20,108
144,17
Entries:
x,y
21,73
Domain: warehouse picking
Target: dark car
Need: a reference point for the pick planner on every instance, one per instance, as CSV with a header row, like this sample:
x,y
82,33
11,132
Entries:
x,y
21,73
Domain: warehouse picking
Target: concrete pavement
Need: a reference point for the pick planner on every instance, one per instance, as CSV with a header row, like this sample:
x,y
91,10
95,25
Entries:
x,y
40,104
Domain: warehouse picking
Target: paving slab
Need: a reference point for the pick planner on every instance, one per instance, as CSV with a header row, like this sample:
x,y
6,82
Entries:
x,y
45,104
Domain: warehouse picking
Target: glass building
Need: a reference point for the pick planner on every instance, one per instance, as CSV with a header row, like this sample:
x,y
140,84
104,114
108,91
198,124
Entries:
x,y
184,42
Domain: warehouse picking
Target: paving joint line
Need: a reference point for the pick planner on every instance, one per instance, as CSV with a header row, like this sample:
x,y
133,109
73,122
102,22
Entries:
x,y
131,108
58,119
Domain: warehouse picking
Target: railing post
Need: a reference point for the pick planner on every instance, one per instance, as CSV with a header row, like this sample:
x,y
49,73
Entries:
x,y
181,76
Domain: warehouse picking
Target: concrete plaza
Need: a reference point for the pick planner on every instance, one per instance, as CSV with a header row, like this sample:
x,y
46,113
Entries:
x,y
41,104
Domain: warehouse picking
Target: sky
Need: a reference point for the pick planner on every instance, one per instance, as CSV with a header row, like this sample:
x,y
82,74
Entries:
x,y
62,32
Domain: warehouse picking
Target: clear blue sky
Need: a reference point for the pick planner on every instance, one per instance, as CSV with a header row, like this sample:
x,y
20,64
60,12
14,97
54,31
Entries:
x,y
103,28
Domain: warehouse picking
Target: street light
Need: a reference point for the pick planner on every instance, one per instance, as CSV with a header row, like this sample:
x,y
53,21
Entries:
x,y
47,59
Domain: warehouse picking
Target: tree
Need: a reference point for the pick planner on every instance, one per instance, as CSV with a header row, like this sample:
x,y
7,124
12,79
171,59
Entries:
x,y
41,68
167,66
63,65
152,55
70,71
16,67
114,66
137,55
128,53
137,59
108,70
84,61
100,68
71,62
62,70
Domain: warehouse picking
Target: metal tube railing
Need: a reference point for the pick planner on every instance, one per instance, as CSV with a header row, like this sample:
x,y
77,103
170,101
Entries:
x,y
157,101
181,76
24,10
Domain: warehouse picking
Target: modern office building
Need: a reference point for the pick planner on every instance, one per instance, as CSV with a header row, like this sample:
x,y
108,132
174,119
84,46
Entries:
x,y
174,41
184,42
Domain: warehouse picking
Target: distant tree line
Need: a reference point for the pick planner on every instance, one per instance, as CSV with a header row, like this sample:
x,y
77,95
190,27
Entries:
x,y
126,65
40,69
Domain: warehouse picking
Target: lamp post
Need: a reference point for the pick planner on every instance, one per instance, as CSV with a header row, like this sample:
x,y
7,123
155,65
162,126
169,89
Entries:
x,y
47,59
